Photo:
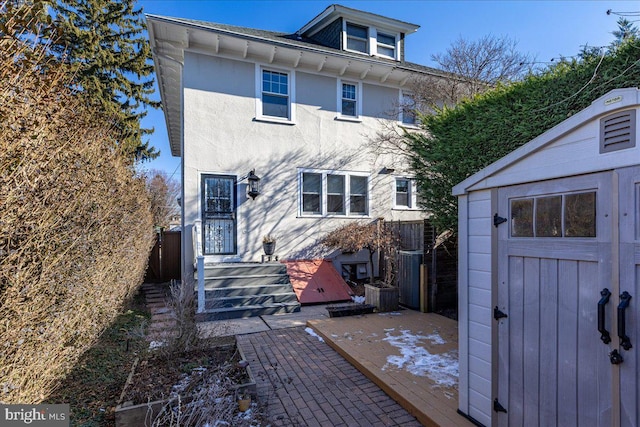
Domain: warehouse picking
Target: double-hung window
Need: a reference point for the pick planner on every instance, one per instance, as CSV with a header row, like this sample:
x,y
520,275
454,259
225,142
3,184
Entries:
x,y
370,40
408,109
357,38
349,100
358,190
312,193
333,193
405,194
275,94
386,45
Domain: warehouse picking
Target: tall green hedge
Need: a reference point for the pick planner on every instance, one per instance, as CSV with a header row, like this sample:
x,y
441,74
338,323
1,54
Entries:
x,y
460,141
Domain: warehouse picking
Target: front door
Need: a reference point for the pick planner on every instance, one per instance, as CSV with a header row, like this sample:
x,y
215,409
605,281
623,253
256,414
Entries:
x,y
218,214
559,250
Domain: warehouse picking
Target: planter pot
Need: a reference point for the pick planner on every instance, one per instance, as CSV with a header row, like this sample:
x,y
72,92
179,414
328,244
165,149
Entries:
x,y
269,248
384,298
244,404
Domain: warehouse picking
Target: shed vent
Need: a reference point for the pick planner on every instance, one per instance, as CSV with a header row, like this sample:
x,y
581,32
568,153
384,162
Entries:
x,y
618,131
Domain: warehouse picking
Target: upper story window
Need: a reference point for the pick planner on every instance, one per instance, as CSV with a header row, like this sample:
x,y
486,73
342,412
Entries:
x,y
405,193
386,45
333,193
408,108
349,100
273,95
370,40
357,38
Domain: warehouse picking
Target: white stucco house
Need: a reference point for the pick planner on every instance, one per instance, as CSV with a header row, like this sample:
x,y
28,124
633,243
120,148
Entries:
x,y
296,110
549,275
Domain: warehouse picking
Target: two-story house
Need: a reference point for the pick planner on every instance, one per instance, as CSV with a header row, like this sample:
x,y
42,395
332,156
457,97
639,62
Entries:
x,y
275,130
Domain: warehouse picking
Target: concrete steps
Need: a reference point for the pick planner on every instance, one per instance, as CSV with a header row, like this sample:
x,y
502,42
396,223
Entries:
x,y
238,290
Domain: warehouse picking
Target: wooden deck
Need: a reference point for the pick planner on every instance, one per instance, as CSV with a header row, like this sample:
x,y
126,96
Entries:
x,y
412,356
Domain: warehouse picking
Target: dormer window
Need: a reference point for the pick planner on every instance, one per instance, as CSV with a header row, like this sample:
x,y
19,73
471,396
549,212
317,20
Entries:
x,y
370,40
357,38
386,45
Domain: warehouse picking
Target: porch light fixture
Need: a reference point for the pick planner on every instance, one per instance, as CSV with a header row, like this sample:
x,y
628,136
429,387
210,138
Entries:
x,y
253,186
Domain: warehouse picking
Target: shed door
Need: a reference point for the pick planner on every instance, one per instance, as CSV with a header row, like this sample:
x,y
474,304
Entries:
x,y
630,282
554,258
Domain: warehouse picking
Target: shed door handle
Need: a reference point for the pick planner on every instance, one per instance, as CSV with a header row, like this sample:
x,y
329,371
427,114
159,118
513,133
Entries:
x,y
604,334
625,342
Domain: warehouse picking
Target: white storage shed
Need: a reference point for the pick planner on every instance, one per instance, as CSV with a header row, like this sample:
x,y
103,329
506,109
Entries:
x,y
549,274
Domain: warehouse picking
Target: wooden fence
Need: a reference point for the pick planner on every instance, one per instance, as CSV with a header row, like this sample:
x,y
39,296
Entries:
x,y
440,264
164,260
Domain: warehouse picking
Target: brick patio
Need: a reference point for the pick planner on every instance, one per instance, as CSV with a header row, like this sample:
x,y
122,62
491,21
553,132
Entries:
x,y
307,383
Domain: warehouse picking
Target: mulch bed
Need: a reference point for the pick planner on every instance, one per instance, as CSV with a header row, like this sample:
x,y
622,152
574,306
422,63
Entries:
x,y
156,376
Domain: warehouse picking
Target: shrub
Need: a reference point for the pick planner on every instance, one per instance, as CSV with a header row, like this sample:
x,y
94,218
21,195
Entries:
x,y
374,236
75,226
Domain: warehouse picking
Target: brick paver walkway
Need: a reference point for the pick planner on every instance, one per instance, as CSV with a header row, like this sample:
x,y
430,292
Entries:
x,y
307,383
162,321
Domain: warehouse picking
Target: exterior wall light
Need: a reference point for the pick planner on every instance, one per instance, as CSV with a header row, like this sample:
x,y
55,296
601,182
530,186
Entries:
x,y
253,186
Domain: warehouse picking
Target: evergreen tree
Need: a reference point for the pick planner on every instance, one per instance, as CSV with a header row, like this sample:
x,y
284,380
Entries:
x,y
106,39
625,30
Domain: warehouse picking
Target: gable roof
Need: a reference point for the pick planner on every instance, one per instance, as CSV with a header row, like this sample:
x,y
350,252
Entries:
x,y
335,11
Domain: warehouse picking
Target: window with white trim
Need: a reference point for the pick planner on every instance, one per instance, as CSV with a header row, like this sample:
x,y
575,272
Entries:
x,y
408,108
405,194
274,99
370,40
275,94
333,193
349,100
357,38
386,45
311,193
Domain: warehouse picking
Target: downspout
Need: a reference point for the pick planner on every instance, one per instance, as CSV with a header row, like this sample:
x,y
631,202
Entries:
x,y
183,234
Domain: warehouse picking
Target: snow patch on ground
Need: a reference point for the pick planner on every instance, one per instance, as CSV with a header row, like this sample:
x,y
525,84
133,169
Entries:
x,y
357,299
313,334
417,360
156,344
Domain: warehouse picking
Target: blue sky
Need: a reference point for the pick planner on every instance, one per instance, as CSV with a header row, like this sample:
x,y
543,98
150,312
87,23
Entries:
x,y
545,29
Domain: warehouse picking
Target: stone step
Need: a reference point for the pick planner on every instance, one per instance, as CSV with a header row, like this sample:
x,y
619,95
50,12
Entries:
x,y
233,291
247,311
251,300
243,269
246,280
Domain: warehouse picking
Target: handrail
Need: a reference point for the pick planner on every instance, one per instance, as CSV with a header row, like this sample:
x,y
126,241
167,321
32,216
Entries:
x,y
201,302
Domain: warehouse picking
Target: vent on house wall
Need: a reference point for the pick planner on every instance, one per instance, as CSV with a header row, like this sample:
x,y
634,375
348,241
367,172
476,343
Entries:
x,y
618,131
